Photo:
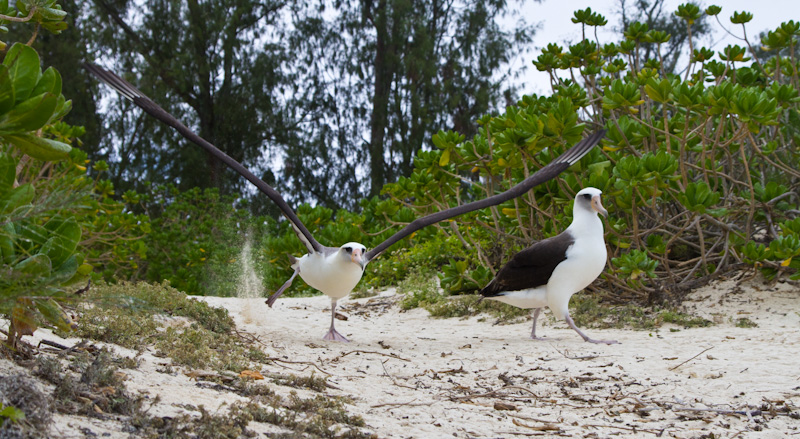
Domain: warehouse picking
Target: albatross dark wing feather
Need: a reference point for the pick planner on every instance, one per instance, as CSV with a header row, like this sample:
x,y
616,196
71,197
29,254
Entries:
x,y
151,108
532,267
557,166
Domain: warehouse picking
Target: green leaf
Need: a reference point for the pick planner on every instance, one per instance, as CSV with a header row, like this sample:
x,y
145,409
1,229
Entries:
x,y
11,413
445,159
55,248
52,14
62,108
16,197
29,115
40,147
7,99
50,82
38,265
55,26
8,172
67,234
53,313
24,68
32,236
7,253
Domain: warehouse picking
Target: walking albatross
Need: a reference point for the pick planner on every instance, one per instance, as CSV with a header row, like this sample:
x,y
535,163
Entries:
x,y
550,271
335,271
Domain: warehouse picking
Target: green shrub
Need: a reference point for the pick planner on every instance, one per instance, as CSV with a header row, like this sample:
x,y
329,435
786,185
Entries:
x,y
39,239
696,170
195,239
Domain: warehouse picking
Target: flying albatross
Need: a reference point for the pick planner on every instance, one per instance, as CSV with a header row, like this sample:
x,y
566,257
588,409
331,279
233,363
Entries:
x,y
335,271
550,271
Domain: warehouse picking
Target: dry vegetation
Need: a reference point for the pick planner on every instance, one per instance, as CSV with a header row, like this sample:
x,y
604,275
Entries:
x,y
718,367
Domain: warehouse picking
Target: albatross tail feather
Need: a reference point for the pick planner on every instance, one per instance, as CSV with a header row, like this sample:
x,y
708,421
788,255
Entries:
x,y
492,290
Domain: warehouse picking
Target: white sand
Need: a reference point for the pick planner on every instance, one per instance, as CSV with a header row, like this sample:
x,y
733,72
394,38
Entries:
x,y
412,376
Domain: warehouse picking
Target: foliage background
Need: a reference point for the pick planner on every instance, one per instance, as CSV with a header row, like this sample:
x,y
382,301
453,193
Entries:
x,y
699,166
698,170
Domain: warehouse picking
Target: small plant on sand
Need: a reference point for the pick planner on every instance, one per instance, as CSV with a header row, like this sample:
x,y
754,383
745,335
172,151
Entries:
x,y
10,414
24,408
310,382
587,311
189,331
744,322
472,305
419,289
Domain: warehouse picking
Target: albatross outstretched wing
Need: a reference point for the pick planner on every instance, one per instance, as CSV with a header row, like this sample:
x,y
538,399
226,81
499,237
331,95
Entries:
x,y
124,88
557,166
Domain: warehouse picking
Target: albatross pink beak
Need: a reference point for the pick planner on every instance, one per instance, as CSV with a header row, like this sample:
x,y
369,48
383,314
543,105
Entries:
x,y
358,257
598,206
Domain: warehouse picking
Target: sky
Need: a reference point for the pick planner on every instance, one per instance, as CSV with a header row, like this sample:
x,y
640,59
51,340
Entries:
x,y
555,26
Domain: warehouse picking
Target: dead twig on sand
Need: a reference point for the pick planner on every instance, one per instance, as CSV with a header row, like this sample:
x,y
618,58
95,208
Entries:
x,y
493,394
358,351
585,357
701,353
527,418
394,381
307,363
748,413
252,338
633,429
53,344
403,404
546,427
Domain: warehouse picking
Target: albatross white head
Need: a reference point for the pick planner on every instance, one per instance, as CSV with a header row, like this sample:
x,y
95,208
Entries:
x,y
587,201
353,252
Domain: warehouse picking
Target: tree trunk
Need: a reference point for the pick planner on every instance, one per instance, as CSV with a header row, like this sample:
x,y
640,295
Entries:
x,y
380,99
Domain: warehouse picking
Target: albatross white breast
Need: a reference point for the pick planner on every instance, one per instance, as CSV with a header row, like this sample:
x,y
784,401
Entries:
x,y
549,272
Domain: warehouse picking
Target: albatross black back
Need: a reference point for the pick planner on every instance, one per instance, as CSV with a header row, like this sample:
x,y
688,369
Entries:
x,y
532,267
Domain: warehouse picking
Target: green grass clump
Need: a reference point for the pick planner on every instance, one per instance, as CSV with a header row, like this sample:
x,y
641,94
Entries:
x,y
132,315
315,417
588,312
311,382
363,293
683,319
472,305
199,348
419,289
744,322
144,298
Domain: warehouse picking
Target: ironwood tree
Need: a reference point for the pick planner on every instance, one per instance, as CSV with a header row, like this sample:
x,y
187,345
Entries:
x,y
335,99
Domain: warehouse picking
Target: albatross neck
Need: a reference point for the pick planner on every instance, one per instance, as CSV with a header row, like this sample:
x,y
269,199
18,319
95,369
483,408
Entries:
x,y
586,223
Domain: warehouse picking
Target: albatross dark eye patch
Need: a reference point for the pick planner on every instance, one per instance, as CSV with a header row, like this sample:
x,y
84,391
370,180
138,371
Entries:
x,y
587,196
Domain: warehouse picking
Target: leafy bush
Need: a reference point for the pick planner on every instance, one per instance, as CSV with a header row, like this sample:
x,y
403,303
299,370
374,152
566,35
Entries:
x,y
56,223
699,172
195,238
38,240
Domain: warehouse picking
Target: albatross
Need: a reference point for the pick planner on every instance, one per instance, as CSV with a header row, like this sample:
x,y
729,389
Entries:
x,y
335,271
550,271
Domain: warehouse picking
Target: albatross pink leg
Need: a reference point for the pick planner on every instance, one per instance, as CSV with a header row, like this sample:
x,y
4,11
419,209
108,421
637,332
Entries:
x,y
332,334
535,317
571,324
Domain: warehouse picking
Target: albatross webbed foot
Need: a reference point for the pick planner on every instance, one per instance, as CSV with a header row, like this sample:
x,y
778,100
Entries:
x,y
333,335
591,340
586,338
